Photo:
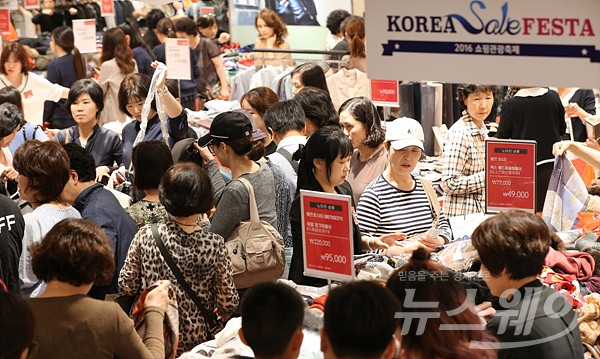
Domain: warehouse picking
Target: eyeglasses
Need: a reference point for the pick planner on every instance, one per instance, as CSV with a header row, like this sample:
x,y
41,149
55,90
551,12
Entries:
x,y
211,148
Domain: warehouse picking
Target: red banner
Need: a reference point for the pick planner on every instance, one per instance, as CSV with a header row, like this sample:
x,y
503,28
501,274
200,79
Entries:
x,y
107,7
327,235
385,93
510,175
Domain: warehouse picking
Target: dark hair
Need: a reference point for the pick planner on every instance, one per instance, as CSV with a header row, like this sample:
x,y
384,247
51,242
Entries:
x,y
423,281
273,21
311,75
153,17
355,31
172,87
12,95
14,48
115,46
90,87
343,25
75,251
363,111
513,240
326,143
318,107
464,90
285,116
64,38
187,25
185,189
206,20
46,165
359,319
81,161
166,27
260,99
10,119
16,325
271,313
134,86
334,20
130,27
150,160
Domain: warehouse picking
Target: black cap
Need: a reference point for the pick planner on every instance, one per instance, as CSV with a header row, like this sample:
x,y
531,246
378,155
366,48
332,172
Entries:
x,y
227,126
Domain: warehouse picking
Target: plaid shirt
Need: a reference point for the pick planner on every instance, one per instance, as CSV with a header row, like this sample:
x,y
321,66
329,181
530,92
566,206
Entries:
x,y
463,176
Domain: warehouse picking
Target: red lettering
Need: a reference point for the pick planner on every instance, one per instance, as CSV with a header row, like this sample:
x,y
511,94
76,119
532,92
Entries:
x,y
557,27
572,23
542,26
587,28
527,24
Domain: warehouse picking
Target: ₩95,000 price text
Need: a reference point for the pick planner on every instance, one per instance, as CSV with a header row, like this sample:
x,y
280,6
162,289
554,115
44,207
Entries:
x,y
334,258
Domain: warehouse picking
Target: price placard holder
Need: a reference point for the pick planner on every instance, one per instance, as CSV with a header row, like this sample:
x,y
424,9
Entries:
x,y
510,175
327,235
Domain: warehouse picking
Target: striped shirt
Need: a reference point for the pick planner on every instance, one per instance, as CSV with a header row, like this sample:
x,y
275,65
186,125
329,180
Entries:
x,y
383,209
463,166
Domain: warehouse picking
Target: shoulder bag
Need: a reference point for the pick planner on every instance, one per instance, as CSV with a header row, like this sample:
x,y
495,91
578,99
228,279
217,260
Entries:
x,y
213,323
255,248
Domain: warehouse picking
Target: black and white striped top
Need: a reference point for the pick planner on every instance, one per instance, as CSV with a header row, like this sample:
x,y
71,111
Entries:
x,y
384,209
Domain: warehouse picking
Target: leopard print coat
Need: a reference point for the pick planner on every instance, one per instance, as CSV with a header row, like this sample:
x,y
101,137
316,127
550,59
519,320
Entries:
x,y
203,261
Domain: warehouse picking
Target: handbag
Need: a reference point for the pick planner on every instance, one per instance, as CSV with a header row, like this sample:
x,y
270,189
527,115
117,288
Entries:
x,y
255,248
213,323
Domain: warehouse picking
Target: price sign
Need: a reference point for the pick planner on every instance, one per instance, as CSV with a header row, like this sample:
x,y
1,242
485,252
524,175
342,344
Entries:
x,y
178,59
107,8
510,170
5,21
85,36
327,235
385,93
32,4
205,10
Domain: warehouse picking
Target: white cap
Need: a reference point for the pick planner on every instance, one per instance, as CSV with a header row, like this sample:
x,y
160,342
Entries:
x,y
404,132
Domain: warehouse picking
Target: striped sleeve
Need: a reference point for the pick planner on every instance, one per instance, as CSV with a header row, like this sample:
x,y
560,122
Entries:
x,y
368,212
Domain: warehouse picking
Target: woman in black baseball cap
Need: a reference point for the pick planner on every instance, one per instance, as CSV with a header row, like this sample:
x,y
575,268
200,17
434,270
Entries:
x,y
234,142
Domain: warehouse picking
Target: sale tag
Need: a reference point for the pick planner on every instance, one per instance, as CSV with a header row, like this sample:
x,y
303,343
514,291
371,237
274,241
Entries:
x,y
385,93
85,36
32,4
5,21
327,235
178,59
510,175
205,10
107,8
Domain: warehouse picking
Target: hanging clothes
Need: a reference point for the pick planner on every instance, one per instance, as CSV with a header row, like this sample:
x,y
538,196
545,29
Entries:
x,y
346,84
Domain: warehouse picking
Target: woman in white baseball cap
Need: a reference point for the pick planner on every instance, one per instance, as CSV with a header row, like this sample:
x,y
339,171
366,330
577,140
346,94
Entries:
x,y
397,201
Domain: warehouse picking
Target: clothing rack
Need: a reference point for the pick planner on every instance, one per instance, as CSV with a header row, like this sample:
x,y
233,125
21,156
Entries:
x,y
337,53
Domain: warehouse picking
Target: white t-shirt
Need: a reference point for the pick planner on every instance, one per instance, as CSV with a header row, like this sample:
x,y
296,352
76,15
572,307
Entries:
x,y
34,91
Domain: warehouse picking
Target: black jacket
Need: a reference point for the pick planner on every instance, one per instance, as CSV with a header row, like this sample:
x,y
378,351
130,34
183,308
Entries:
x,y
541,321
297,265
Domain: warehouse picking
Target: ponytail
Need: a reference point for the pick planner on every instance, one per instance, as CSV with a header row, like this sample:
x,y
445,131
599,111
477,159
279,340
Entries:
x,y
79,65
357,47
257,151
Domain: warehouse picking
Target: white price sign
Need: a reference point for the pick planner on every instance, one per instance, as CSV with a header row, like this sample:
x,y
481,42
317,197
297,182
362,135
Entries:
x,y
85,36
178,59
